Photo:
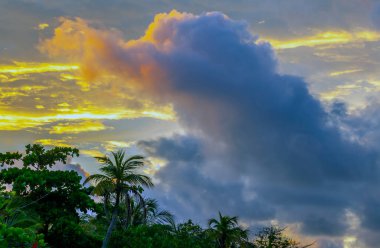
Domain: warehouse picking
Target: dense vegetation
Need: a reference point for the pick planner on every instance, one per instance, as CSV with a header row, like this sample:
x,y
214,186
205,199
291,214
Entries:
x,y
40,207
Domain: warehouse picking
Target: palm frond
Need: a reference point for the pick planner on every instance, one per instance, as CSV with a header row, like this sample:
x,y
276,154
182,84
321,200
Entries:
x,y
133,165
163,217
110,170
103,160
212,222
139,179
96,178
105,187
135,157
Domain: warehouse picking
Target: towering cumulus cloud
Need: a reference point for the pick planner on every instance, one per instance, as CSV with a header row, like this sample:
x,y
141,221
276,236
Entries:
x,y
257,143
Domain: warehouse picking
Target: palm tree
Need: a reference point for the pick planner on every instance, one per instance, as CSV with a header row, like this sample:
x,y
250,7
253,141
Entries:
x,y
145,211
227,232
119,179
14,214
157,215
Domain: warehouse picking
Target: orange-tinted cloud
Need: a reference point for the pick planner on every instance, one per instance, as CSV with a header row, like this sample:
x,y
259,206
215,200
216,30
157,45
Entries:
x,y
103,52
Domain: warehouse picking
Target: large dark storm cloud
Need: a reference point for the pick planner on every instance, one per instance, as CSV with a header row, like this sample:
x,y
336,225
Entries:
x,y
257,143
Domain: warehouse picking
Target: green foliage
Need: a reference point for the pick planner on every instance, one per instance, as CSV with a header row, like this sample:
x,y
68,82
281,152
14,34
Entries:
x,y
227,232
38,157
273,237
72,235
158,236
192,235
136,211
9,158
19,237
18,226
57,192
14,214
52,196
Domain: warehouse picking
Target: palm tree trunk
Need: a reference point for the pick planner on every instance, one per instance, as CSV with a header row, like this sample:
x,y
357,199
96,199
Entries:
x,y
128,203
113,221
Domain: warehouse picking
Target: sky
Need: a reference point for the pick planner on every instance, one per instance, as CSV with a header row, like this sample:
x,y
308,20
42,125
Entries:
x,y
268,110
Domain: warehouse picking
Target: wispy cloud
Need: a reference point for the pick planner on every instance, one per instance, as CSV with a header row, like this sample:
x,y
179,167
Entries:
x,y
52,142
78,127
339,73
9,73
326,39
340,91
11,120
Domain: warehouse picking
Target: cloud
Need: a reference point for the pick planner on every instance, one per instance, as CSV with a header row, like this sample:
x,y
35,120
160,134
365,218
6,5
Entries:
x,y
338,73
22,70
72,167
257,143
52,142
327,39
185,186
42,26
375,15
39,115
78,127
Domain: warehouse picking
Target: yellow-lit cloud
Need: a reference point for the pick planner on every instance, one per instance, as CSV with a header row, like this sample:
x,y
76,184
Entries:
x,y
52,142
11,120
21,70
91,153
154,165
326,38
95,106
339,91
42,26
338,73
28,68
113,145
154,33
78,127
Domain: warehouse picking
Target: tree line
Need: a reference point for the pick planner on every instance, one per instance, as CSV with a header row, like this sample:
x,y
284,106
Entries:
x,y
41,207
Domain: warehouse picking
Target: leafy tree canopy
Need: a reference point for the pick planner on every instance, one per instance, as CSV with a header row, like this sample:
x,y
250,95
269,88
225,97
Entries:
x,y
38,157
53,196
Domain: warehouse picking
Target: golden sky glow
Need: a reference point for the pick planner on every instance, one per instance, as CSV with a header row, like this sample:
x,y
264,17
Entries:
x,y
52,142
28,68
77,117
91,153
16,121
113,145
21,70
326,38
83,126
